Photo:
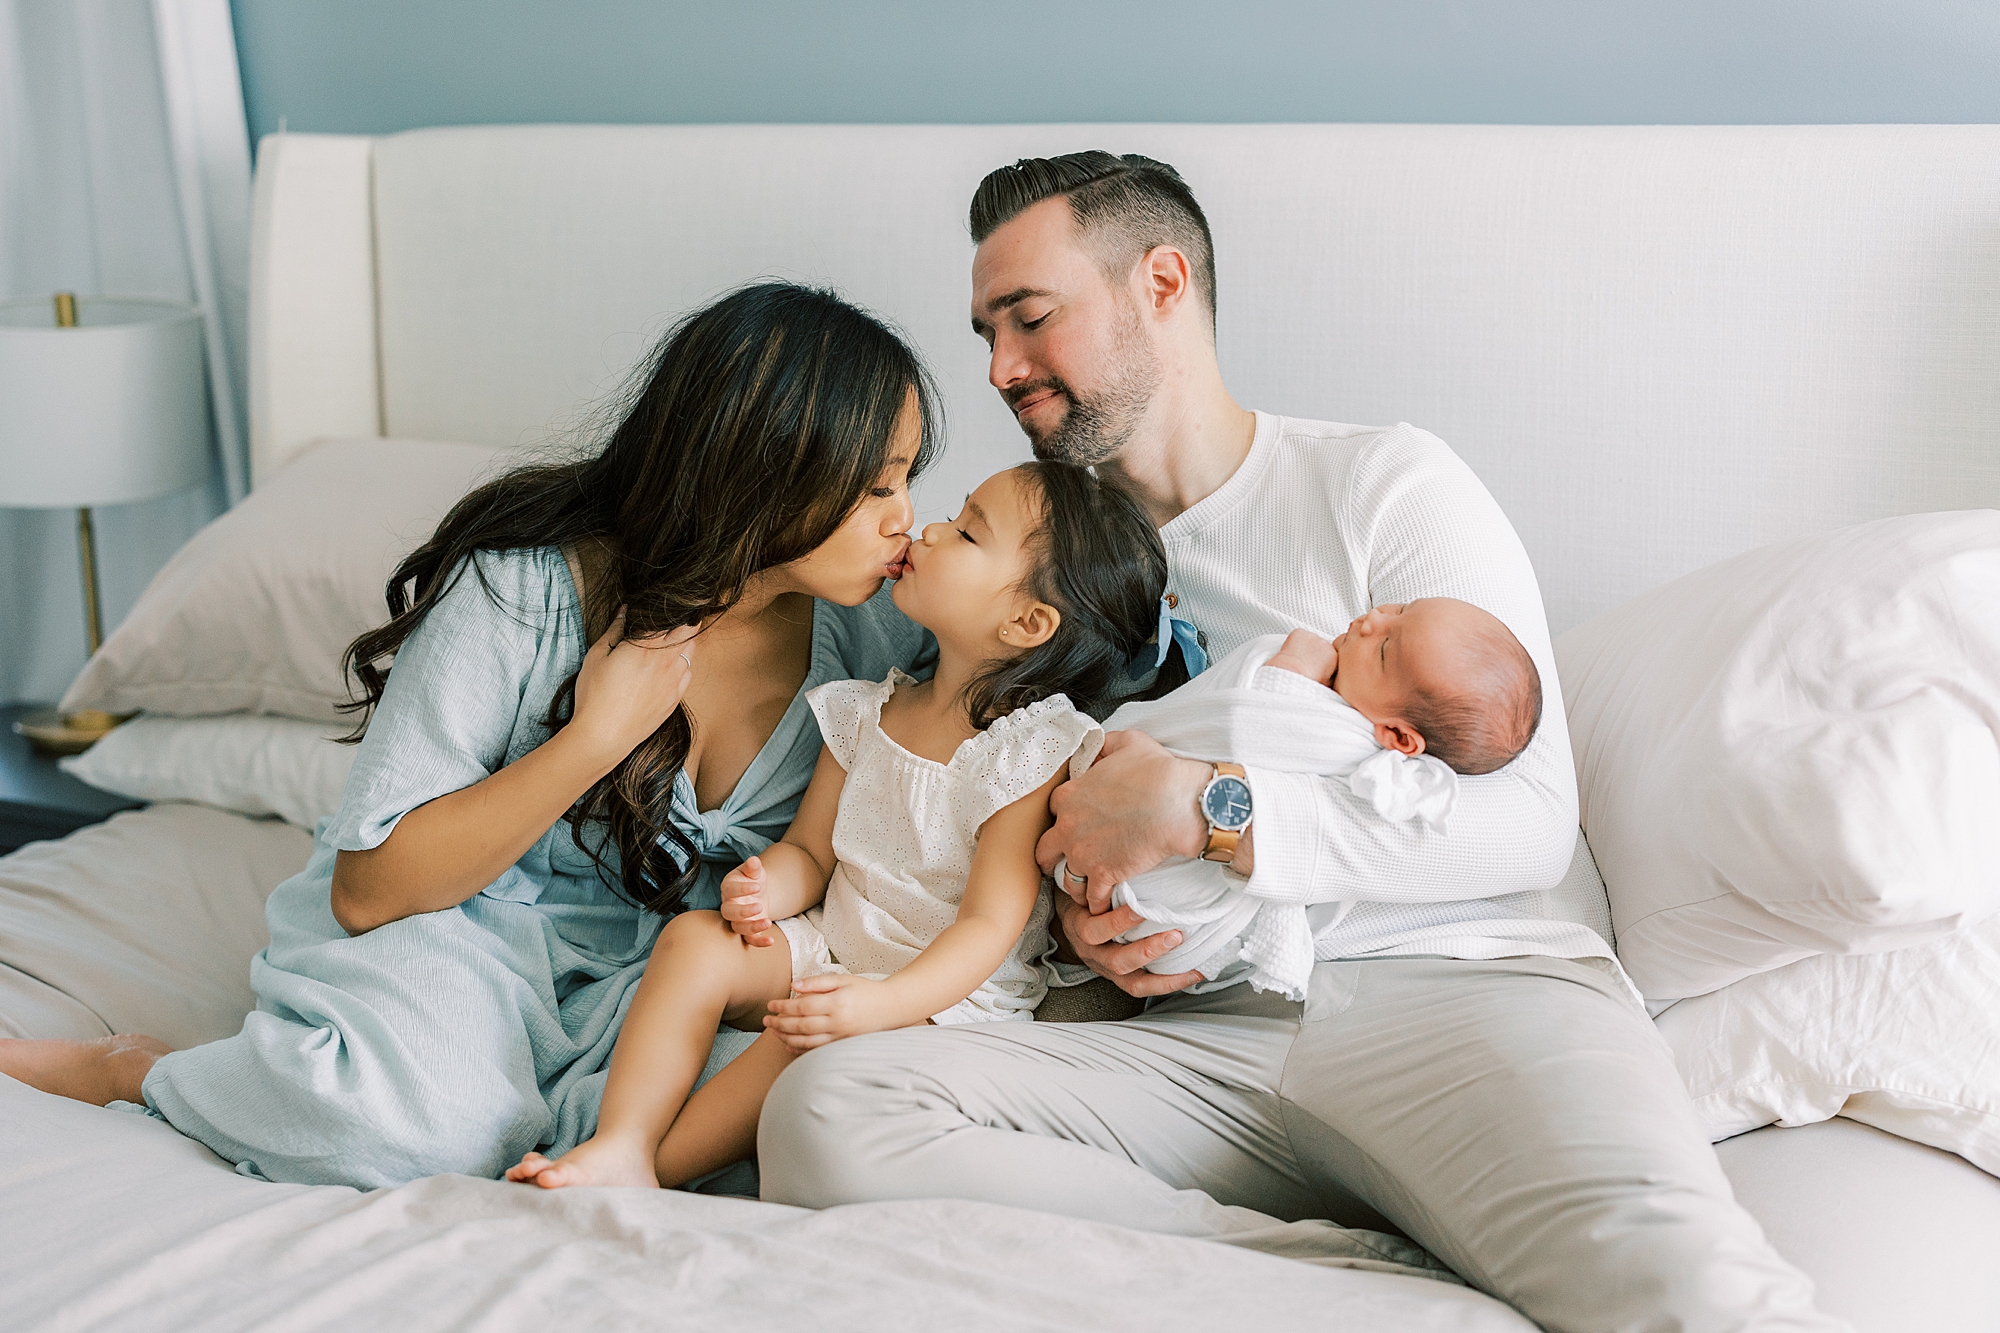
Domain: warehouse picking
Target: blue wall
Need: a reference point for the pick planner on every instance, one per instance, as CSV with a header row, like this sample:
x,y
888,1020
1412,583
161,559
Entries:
x,y
372,66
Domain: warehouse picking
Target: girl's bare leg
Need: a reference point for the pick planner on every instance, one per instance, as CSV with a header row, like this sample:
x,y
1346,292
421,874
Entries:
x,y
701,974
719,1123
109,1069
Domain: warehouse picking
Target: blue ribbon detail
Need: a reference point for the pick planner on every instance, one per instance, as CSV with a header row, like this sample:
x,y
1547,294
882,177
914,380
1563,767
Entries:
x,y
1172,630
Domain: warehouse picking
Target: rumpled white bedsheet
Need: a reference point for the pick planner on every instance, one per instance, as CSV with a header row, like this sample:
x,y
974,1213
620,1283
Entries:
x,y
115,1221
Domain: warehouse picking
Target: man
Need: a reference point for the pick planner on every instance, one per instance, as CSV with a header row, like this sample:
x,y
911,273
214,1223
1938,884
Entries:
x,y
1465,1071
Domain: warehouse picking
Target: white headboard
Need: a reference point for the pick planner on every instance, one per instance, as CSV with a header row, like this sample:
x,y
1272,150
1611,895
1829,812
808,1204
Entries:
x,y
1658,346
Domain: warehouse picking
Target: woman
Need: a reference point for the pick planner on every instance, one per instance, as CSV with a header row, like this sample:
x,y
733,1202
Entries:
x,y
446,977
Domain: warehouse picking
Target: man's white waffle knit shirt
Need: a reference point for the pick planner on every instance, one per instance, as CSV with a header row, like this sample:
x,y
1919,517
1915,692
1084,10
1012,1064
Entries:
x,y
1320,523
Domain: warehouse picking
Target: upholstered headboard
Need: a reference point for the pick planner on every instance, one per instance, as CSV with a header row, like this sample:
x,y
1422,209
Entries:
x,y
1658,346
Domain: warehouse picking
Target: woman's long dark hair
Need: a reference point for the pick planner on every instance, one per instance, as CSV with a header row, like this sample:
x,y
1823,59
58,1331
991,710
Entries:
x,y
1094,556
762,421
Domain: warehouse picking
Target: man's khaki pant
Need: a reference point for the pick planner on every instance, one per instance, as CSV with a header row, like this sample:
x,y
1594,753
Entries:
x,y
1519,1118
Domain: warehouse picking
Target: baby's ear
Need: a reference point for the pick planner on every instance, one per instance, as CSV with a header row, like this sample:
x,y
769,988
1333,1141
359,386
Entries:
x,y
1399,736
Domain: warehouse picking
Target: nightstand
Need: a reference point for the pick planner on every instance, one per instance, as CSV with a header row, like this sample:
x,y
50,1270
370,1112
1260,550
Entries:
x,y
39,800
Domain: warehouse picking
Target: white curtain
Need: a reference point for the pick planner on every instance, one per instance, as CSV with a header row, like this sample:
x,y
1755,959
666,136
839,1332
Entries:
x,y
124,169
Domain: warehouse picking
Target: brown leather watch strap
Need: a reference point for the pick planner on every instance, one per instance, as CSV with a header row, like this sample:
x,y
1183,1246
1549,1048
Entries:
x,y
1222,841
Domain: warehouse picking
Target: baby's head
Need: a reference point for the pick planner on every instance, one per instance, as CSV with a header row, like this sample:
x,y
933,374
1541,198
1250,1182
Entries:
x,y
1436,676
1050,576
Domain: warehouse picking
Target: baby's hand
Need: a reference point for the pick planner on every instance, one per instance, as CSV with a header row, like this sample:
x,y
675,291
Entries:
x,y
743,903
828,1007
1309,655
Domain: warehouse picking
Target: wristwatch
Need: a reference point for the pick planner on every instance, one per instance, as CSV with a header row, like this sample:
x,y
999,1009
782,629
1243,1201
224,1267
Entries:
x,y
1225,804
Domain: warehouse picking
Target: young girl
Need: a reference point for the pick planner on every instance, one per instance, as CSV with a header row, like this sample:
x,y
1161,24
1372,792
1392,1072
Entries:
x,y
905,890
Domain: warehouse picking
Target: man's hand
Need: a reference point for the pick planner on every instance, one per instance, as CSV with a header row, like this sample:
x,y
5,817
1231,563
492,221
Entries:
x,y
1132,810
1091,938
831,1006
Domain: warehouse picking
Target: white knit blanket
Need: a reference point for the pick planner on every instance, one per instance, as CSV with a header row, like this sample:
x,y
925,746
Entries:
x,y
1270,719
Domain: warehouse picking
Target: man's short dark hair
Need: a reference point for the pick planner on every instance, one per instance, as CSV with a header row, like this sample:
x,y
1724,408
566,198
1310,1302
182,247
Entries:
x,y
1123,207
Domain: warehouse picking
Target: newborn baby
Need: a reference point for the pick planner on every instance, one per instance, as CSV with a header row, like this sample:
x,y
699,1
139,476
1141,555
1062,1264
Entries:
x,y
1435,676
1402,703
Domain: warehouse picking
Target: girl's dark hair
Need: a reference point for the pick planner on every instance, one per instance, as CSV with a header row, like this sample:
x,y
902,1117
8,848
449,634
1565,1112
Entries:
x,y
1096,557
757,426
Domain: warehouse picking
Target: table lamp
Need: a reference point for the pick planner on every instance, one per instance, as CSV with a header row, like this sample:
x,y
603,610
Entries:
x,y
102,401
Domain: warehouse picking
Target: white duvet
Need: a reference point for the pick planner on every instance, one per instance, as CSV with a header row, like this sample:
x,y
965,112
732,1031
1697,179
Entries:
x,y
114,1221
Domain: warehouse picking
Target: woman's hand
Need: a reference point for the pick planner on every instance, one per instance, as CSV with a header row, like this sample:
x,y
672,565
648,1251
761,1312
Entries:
x,y
627,687
831,1006
448,848
745,905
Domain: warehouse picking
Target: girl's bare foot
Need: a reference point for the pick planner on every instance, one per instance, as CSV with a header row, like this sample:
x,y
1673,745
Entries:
x,y
592,1162
109,1069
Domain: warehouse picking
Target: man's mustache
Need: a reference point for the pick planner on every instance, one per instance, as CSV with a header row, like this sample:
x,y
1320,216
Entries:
x,y
1021,392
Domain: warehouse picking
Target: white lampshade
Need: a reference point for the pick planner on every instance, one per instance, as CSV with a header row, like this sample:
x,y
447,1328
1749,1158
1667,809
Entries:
x,y
111,411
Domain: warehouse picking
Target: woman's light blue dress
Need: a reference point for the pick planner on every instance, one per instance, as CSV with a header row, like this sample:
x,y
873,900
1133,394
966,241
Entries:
x,y
458,1040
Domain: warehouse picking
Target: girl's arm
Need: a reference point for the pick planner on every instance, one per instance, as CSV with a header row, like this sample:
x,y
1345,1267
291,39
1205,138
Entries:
x,y
999,896
792,873
449,848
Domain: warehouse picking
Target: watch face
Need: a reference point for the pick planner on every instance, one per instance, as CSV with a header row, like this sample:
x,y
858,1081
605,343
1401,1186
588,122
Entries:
x,y
1227,802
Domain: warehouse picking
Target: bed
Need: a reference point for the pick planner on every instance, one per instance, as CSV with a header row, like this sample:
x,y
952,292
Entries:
x,y
1658,347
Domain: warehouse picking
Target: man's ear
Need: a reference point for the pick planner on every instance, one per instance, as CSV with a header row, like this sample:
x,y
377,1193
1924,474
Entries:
x,y
1165,280
1399,736
1031,627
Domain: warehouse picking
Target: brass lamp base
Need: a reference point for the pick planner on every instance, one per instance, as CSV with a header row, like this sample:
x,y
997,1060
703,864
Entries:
x,y
52,732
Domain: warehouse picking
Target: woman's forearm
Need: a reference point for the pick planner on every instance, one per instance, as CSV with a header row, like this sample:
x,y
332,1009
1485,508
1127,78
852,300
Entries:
x,y
449,848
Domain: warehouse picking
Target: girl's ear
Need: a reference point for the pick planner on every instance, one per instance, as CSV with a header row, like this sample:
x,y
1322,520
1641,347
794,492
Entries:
x,y
1399,736
1031,627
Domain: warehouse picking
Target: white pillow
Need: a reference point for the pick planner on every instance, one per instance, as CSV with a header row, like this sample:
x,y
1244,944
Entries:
x,y
1794,752
254,613
1908,1042
253,765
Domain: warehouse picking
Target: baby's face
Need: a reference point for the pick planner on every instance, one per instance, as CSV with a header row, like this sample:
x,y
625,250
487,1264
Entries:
x,y
1402,657
1357,666
1381,657
1386,652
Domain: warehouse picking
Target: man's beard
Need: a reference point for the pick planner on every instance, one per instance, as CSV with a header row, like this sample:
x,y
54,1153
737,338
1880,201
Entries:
x,y
1097,425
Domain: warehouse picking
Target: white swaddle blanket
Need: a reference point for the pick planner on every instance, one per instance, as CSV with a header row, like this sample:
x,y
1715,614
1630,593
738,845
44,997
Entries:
x,y
1260,717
